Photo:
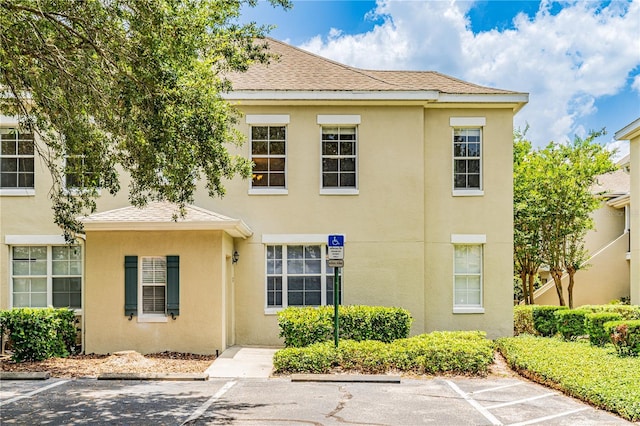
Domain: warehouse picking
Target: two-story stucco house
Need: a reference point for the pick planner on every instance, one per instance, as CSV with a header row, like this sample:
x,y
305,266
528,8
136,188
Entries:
x,y
414,168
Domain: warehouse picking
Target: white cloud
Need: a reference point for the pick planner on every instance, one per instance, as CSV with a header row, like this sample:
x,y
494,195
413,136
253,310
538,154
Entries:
x,y
565,59
621,149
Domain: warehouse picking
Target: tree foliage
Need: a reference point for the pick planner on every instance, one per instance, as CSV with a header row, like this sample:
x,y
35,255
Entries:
x,y
128,86
553,205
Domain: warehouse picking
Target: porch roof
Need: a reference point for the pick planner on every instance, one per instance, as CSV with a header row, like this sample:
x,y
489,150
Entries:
x,y
164,216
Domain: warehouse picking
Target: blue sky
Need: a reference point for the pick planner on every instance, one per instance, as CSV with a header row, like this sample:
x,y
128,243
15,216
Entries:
x,y
579,60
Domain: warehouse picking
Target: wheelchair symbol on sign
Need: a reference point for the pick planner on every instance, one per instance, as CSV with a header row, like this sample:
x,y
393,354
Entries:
x,y
335,242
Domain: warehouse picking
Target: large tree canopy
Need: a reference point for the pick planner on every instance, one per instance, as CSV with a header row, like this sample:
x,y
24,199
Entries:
x,y
128,86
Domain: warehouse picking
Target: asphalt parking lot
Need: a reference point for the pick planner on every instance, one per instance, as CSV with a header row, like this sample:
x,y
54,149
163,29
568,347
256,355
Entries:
x,y
279,401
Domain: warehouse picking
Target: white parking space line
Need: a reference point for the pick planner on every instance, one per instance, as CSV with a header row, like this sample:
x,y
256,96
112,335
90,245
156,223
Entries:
x,y
204,407
30,394
521,401
544,419
496,388
475,404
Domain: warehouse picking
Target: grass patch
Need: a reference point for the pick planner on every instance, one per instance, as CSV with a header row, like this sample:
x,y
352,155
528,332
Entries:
x,y
593,374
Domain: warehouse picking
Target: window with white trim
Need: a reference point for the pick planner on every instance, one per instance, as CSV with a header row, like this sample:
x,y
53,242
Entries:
x,y
339,157
78,172
268,153
44,276
16,159
153,285
298,275
467,276
467,159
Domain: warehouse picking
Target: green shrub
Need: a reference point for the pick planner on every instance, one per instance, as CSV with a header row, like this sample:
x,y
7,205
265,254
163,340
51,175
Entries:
x,y
625,336
627,312
595,375
523,320
304,326
37,334
440,352
544,319
570,322
594,325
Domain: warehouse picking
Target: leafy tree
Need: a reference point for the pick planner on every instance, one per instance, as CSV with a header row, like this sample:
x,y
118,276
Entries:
x,y
554,203
127,86
526,217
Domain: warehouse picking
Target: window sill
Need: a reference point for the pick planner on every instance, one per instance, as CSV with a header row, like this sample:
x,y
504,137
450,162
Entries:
x,y
468,193
468,310
80,191
17,192
162,318
339,191
255,191
272,311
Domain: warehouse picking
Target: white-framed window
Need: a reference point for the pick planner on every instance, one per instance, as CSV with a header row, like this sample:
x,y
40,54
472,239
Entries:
x,y
467,159
297,275
339,157
467,278
44,276
153,286
17,157
269,156
78,173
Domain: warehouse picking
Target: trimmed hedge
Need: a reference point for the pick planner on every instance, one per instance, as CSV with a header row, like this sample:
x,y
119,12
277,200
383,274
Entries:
x,y
305,326
523,320
37,334
438,352
544,319
571,322
594,325
625,336
595,375
627,312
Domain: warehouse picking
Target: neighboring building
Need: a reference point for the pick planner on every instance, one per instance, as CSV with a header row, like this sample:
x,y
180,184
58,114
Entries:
x,y
632,134
414,168
606,278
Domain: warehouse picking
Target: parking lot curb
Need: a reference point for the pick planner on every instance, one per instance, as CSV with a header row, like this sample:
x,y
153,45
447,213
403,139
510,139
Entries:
x,y
345,378
22,375
155,376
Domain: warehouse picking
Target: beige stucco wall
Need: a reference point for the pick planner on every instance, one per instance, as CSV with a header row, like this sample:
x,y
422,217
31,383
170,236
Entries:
x,y
606,279
198,328
490,215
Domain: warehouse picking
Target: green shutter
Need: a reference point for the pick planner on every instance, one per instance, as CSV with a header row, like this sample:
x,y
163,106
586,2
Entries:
x,y
173,285
131,285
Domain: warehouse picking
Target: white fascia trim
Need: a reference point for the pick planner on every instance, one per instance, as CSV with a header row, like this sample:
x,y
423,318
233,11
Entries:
x,y
630,131
236,228
268,118
295,238
467,121
338,119
466,310
511,98
33,240
468,238
17,192
428,95
270,191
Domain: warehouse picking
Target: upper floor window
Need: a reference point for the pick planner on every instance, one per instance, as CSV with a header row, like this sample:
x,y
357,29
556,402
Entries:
x,y
16,159
78,172
339,157
268,153
467,159
44,276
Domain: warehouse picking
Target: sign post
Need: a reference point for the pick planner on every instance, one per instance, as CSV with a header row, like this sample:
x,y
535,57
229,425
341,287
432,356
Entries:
x,y
336,260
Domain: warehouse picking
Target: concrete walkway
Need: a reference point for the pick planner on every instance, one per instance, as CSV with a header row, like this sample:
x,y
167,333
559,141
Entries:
x,y
243,362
